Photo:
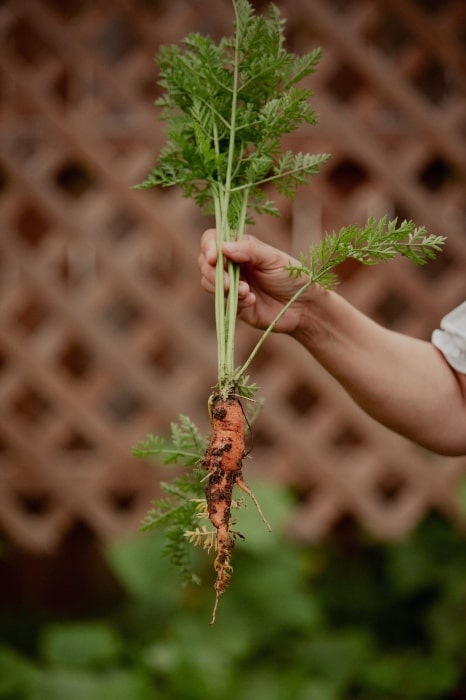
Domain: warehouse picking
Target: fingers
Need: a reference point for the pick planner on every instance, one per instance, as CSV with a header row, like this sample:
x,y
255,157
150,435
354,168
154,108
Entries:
x,y
252,251
248,251
245,296
209,246
207,259
207,285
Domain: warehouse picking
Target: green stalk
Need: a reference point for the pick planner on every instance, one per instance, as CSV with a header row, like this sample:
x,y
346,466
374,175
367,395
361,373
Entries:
x,y
232,303
313,279
219,292
241,371
227,319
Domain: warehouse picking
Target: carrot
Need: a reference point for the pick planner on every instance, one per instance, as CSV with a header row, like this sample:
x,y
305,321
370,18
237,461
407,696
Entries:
x,y
224,460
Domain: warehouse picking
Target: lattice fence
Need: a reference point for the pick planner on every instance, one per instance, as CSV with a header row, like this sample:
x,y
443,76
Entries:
x,y
104,332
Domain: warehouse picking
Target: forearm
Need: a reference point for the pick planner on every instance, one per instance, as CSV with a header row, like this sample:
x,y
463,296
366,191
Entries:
x,y
402,382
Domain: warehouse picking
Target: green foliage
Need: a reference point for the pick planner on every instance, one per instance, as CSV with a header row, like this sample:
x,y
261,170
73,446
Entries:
x,y
81,645
186,446
178,512
345,619
228,107
375,242
60,678
19,677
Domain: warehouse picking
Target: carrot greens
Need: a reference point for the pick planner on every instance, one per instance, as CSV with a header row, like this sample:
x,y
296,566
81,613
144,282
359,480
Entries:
x,y
228,106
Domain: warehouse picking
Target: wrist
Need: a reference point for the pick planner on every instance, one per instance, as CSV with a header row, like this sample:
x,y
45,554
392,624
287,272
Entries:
x,y
313,314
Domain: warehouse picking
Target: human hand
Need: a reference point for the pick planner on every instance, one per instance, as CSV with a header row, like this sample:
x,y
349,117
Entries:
x,y
265,284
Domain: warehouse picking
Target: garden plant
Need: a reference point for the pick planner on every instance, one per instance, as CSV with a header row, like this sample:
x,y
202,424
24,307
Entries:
x,y
228,106
357,620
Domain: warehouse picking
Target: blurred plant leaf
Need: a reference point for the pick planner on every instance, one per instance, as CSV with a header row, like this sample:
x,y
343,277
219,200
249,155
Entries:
x,y
147,576
18,675
80,645
85,685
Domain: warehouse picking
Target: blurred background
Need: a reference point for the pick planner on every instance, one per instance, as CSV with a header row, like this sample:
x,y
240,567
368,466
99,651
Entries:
x,y
105,335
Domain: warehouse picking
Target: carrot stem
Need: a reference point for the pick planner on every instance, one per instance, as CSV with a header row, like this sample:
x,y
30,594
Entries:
x,y
240,372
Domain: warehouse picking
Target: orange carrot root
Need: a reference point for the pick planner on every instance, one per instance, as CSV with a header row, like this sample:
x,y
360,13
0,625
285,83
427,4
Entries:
x,y
223,461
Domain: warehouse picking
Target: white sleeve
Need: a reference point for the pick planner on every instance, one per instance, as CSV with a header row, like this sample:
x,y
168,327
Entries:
x,y
450,338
